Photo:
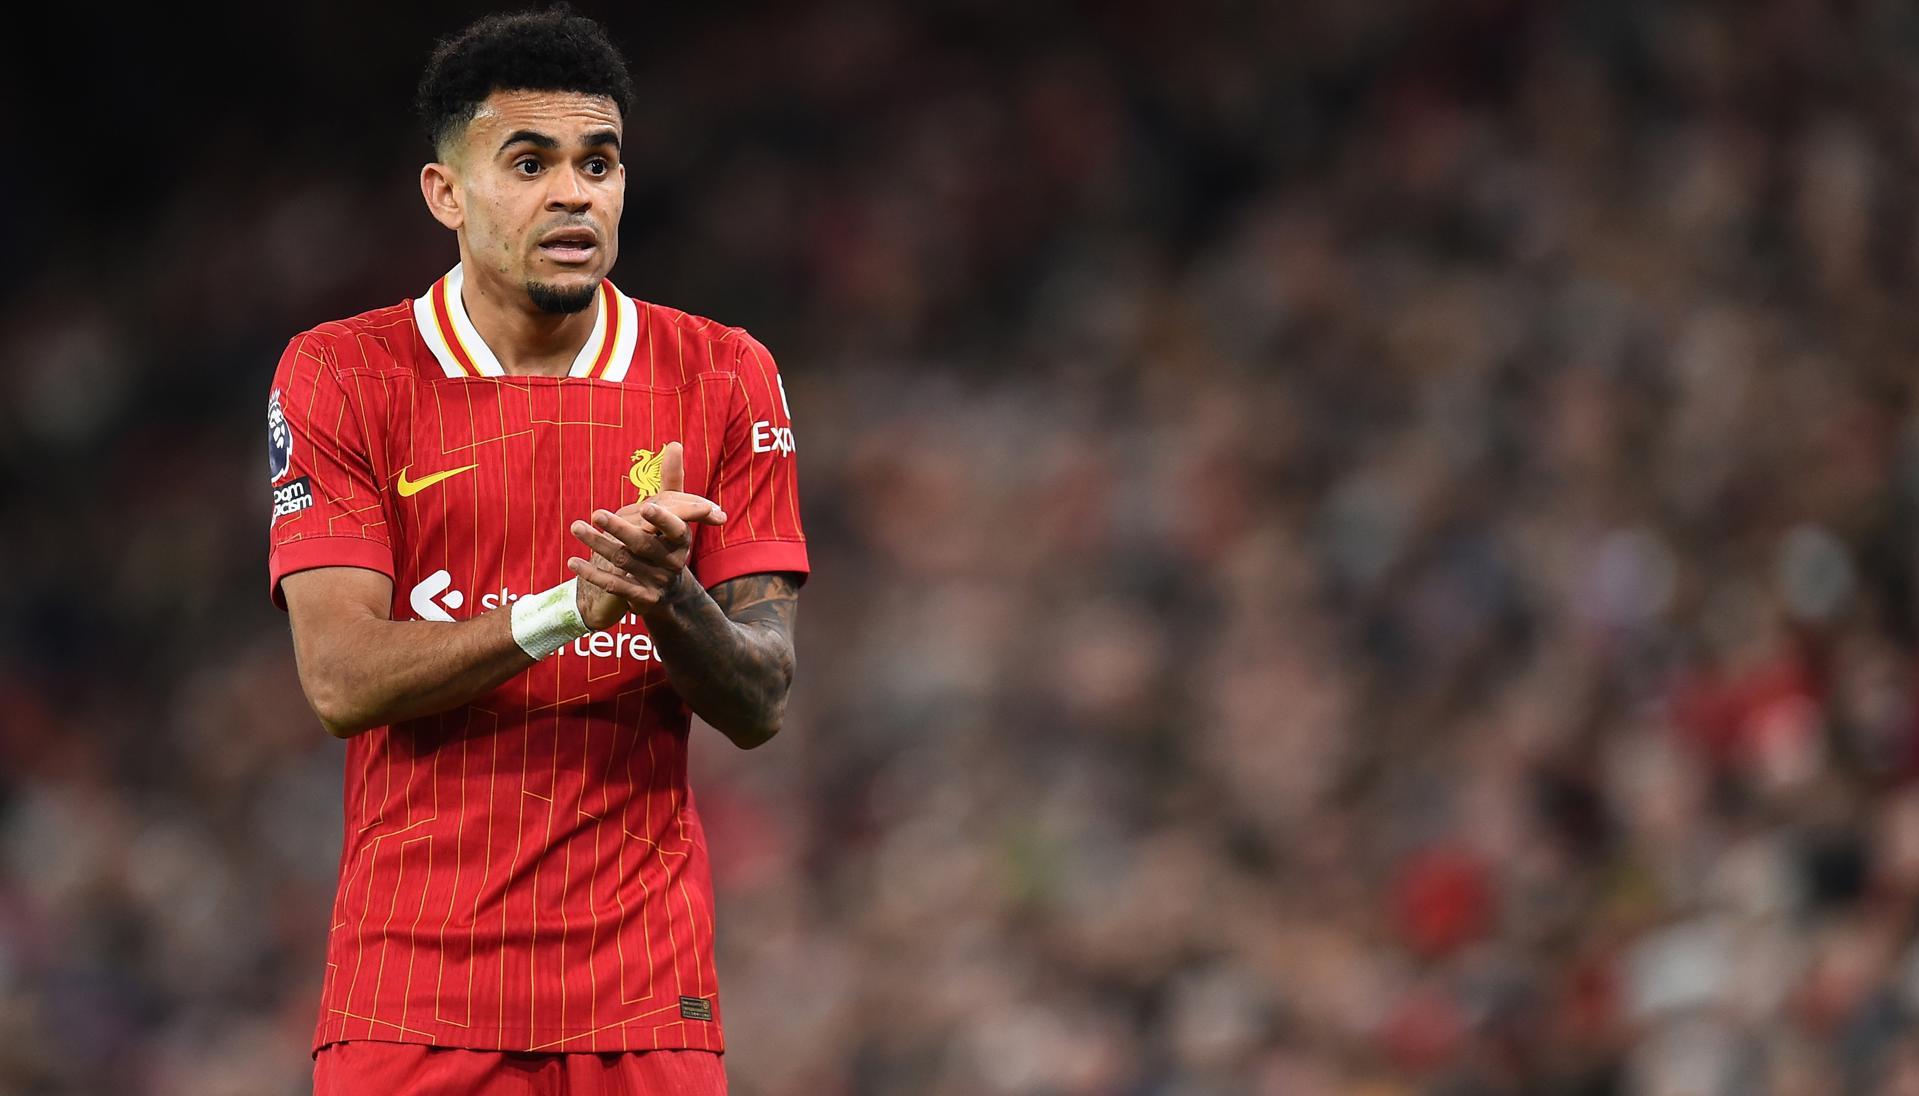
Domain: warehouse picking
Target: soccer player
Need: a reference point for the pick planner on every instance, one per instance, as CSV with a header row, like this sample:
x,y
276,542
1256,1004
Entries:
x,y
524,527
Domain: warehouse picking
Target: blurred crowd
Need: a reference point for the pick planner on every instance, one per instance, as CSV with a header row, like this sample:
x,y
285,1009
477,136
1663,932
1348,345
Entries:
x,y
1361,548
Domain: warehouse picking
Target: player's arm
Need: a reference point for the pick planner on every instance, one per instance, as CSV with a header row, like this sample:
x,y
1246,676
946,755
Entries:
x,y
728,652
361,669
331,562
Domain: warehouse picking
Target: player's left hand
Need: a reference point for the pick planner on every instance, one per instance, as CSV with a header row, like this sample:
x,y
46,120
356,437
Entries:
x,y
640,553
636,563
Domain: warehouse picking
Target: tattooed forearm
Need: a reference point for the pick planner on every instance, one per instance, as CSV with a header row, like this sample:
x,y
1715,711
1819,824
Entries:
x,y
729,651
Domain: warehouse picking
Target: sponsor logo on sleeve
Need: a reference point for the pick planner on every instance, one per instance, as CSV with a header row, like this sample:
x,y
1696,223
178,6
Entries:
x,y
279,440
291,497
768,438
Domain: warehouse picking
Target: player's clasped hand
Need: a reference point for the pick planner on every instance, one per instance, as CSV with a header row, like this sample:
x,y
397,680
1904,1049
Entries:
x,y
642,550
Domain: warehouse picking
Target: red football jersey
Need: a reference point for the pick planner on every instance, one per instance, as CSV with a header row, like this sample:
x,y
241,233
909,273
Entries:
x,y
526,872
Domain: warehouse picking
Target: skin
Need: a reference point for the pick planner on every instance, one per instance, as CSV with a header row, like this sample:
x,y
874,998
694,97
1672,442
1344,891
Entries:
x,y
530,163
527,164
728,653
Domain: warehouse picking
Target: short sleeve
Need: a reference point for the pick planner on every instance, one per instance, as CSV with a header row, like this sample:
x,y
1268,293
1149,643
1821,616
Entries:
x,y
327,506
757,483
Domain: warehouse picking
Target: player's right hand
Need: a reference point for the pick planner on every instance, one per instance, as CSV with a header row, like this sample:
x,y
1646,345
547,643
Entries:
x,y
599,608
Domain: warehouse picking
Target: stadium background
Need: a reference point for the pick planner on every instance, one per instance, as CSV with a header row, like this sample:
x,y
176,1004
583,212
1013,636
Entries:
x,y
1361,547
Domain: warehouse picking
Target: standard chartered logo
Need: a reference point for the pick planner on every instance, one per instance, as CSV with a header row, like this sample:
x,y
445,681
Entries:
x,y
434,586
434,596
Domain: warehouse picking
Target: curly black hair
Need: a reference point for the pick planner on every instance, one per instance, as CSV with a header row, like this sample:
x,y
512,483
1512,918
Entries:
x,y
550,50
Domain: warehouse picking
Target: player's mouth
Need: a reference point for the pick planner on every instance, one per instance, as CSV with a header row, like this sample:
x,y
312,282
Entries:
x,y
570,245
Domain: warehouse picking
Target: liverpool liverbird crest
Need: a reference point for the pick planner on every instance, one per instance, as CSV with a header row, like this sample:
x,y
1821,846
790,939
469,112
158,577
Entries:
x,y
645,472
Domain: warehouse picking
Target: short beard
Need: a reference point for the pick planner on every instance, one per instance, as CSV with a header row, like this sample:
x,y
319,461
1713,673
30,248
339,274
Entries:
x,y
560,302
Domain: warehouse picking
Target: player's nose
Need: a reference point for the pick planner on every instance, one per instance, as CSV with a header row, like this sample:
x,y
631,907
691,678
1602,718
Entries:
x,y
567,192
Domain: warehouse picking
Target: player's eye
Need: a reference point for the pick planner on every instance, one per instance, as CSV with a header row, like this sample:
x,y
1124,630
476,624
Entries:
x,y
527,165
598,168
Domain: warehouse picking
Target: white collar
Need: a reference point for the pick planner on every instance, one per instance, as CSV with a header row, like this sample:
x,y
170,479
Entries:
x,y
441,317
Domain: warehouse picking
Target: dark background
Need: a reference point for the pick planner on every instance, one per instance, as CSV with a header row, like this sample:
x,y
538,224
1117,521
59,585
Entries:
x,y
1359,548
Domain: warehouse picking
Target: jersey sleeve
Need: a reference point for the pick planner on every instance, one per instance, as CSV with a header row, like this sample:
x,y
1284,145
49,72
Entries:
x,y
327,506
757,483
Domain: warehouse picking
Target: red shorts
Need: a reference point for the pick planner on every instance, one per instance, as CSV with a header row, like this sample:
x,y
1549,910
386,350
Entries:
x,y
369,1068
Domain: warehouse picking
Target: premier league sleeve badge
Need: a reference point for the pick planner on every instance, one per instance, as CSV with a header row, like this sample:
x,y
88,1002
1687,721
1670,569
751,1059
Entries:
x,y
279,440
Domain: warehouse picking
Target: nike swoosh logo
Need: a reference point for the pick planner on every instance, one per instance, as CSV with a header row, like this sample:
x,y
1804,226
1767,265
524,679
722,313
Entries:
x,y
413,487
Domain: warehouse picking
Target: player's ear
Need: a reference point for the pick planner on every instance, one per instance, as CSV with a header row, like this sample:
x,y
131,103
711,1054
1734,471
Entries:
x,y
442,196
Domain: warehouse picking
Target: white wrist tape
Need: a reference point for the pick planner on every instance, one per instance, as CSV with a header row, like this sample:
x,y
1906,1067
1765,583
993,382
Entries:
x,y
547,621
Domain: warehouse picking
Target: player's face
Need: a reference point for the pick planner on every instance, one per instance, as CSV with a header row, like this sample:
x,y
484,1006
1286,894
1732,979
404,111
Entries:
x,y
542,187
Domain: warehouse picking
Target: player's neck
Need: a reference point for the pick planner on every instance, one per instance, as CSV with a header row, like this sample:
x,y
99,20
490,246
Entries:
x,y
527,341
